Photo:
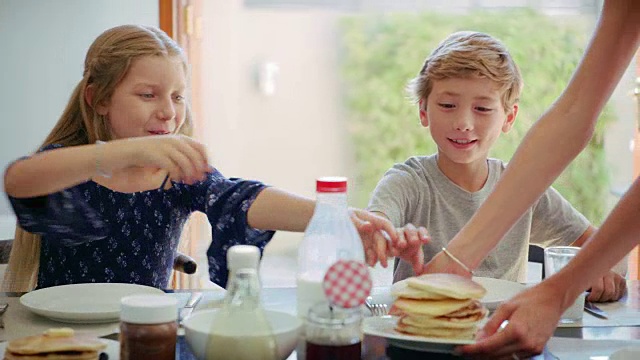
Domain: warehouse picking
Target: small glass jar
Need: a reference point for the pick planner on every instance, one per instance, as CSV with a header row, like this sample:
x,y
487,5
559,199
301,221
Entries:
x,y
333,333
148,327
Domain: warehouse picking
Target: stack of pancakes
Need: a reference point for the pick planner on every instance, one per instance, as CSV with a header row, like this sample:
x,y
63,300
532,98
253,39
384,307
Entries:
x,y
55,344
438,305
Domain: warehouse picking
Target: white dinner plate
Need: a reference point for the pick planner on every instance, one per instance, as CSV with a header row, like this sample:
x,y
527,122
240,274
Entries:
x,y
384,326
83,303
112,350
498,291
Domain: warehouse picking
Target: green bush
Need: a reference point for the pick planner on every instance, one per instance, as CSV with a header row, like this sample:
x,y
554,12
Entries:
x,y
382,52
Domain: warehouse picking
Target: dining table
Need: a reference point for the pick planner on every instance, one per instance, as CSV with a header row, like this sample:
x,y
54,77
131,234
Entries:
x,y
593,338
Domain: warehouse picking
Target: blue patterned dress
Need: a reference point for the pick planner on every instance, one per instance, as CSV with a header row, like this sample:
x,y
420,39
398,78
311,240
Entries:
x,y
93,234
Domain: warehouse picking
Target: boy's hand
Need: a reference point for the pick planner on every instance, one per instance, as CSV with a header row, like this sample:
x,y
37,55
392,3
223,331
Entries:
x,y
409,245
610,287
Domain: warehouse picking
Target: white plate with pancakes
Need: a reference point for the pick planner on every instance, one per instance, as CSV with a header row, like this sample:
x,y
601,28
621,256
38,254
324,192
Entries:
x,y
384,326
432,312
89,303
112,350
498,291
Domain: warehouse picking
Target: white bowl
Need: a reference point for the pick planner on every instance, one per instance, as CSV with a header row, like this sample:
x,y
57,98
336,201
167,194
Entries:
x,y
286,329
627,353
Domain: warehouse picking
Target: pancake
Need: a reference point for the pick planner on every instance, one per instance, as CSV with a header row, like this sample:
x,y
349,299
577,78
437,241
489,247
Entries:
x,y
443,321
431,307
402,289
55,344
472,309
70,355
438,305
436,332
448,285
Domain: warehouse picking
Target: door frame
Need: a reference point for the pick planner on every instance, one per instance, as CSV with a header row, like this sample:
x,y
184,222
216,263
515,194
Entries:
x,y
166,21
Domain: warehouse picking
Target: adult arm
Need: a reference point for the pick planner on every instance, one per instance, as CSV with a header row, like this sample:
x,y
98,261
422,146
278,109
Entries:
x,y
533,314
554,140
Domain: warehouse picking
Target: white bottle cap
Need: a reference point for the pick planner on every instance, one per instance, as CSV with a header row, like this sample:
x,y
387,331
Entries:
x,y
148,309
242,257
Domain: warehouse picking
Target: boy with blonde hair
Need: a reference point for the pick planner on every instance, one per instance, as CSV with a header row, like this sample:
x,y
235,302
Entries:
x,y
467,94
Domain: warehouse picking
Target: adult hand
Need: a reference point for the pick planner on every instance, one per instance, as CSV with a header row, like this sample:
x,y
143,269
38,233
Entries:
x,y
183,157
533,316
442,263
610,287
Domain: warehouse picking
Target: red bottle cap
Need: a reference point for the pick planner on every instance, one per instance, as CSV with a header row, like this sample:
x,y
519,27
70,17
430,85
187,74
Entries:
x,y
331,184
347,283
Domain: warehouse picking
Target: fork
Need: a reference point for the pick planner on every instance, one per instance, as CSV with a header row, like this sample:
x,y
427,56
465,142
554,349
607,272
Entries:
x,y
194,299
376,309
3,308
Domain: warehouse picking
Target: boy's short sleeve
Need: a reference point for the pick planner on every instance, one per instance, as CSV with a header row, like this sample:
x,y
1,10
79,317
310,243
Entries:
x,y
395,194
63,214
555,221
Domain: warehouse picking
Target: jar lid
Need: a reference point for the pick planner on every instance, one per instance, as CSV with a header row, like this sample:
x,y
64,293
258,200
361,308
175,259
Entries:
x,y
331,184
347,283
148,309
242,257
333,317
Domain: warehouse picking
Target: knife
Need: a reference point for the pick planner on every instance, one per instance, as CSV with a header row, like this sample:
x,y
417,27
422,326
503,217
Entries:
x,y
594,310
194,299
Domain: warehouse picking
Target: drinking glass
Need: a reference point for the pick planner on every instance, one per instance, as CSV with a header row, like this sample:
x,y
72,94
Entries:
x,y
555,258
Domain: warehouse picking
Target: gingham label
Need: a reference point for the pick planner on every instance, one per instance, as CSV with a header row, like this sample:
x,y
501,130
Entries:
x,y
347,283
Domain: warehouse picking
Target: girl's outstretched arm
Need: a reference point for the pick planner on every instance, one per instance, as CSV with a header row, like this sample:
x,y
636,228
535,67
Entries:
x,y
276,209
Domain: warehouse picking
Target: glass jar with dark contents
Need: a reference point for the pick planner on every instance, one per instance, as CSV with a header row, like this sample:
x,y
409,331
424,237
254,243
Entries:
x,y
148,327
333,333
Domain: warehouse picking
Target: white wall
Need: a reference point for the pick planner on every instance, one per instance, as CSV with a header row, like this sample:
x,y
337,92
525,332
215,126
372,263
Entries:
x,y
42,49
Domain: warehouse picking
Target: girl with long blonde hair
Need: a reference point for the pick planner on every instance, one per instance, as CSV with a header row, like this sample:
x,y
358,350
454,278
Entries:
x,y
107,196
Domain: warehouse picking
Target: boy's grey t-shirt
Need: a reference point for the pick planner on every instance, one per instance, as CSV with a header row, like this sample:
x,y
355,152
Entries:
x,y
417,192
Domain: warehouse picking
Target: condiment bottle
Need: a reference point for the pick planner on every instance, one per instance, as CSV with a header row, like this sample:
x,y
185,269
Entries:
x,y
330,236
148,327
241,330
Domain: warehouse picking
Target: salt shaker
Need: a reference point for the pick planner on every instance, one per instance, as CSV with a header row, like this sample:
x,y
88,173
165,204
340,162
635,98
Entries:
x,y
148,327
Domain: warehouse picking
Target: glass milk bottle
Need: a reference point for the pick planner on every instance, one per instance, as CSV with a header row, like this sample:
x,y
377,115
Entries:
x,y
330,236
241,330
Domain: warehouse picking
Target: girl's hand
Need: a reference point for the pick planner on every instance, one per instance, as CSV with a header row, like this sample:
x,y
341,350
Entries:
x,y
381,240
183,157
